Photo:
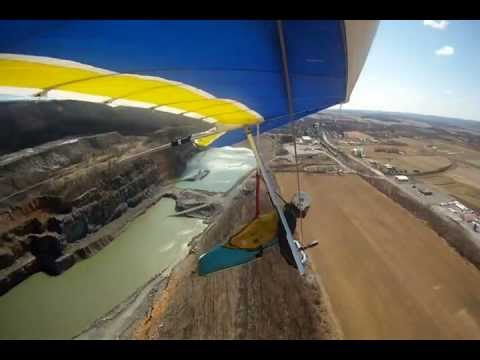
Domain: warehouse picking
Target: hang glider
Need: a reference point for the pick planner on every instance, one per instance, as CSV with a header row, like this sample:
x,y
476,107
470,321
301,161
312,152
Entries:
x,y
230,74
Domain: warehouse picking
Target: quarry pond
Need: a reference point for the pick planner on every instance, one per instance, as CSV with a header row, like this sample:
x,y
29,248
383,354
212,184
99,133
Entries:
x,y
60,307
46,307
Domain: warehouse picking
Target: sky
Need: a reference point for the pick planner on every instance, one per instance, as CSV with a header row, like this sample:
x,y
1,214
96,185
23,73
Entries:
x,y
422,66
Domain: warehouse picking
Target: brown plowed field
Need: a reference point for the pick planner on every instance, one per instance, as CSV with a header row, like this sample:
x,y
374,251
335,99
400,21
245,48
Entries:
x,y
387,274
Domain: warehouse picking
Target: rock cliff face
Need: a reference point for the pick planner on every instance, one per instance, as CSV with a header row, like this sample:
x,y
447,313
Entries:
x,y
54,196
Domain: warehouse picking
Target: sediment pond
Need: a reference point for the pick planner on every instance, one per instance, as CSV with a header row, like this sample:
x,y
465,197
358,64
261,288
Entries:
x,y
59,307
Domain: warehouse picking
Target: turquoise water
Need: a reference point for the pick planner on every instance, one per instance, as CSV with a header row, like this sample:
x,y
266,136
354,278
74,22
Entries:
x,y
59,307
227,165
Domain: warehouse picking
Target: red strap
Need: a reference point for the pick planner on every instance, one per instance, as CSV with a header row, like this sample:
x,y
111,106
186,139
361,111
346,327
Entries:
x,y
257,195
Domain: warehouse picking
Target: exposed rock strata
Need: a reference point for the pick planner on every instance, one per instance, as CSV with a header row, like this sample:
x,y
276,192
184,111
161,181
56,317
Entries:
x,y
62,194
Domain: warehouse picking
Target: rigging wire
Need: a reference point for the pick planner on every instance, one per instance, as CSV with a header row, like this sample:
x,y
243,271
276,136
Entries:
x,y
290,106
257,178
294,134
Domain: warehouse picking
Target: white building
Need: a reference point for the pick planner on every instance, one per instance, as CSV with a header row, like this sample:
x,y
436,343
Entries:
x,y
401,178
358,152
459,205
307,139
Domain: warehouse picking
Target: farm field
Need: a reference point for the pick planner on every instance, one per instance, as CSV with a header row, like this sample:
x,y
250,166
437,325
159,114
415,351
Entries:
x,y
388,275
420,163
462,183
411,159
357,135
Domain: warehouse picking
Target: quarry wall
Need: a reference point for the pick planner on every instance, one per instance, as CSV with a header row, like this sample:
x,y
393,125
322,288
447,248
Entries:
x,y
58,219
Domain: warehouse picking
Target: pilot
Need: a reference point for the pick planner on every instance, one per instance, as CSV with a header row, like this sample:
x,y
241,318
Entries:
x,y
297,208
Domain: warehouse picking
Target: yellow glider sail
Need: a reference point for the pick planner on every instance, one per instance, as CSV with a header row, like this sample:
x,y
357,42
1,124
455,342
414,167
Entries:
x,y
60,79
258,233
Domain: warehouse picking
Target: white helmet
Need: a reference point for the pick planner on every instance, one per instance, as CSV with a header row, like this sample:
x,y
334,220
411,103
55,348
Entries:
x,y
301,200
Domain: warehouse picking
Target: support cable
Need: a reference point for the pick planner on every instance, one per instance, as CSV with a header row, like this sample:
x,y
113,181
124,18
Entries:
x,y
290,107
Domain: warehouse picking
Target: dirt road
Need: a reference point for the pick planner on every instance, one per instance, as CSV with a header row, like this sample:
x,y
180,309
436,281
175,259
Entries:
x,y
387,274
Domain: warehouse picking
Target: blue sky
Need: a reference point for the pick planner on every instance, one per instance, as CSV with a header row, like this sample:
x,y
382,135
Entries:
x,y
422,66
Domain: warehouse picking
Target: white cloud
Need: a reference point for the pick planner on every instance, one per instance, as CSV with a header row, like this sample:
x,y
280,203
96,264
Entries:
x,y
436,24
448,92
445,51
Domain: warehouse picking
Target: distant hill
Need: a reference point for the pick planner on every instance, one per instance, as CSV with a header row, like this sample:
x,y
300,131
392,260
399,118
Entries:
x,y
399,116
